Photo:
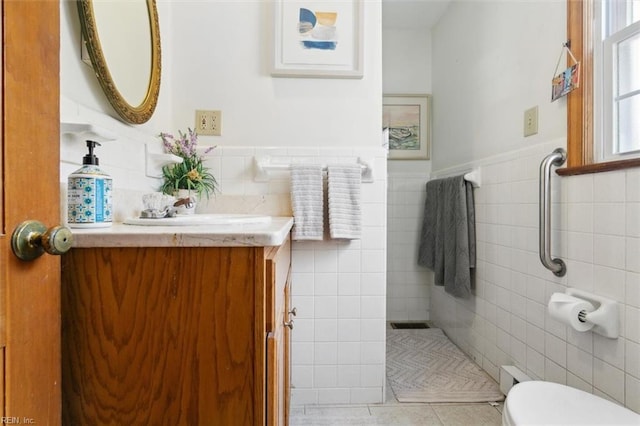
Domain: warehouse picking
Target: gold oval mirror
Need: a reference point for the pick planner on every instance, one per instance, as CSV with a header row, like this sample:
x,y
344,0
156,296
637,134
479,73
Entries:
x,y
123,41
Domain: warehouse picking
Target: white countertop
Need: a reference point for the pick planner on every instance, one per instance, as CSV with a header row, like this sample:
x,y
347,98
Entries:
x,y
273,233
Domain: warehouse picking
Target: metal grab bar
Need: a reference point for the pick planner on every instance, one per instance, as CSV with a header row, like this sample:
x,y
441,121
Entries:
x,y
556,158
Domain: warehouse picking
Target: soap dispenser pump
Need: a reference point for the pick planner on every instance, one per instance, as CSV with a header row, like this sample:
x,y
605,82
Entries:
x,y
89,194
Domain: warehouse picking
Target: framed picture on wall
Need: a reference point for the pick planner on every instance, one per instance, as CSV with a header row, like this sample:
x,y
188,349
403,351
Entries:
x,y
317,39
407,120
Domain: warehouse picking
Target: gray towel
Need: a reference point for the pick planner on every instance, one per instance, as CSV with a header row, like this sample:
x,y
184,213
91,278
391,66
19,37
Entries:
x,y
448,239
307,201
343,182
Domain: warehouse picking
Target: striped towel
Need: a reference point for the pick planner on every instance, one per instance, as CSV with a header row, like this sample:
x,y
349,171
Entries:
x,y
344,201
307,201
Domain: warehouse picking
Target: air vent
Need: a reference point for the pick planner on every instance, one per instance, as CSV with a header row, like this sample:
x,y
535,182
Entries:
x,y
408,325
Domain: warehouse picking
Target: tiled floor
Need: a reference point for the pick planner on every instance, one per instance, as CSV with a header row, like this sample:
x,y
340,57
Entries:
x,y
395,413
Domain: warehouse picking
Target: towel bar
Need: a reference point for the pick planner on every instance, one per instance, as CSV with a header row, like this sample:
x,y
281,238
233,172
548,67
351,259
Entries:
x,y
473,176
263,165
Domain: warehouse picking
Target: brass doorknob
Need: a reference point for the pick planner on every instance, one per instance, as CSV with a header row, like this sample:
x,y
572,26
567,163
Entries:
x,y
31,239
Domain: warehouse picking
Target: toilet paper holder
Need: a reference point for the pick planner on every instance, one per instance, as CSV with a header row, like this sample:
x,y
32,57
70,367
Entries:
x,y
605,316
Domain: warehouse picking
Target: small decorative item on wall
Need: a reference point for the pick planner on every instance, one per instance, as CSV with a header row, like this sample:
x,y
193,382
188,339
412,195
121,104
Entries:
x,y
567,80
407,118
318,39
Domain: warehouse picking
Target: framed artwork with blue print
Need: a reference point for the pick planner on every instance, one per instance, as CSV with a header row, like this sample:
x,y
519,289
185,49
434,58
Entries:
x,y
317,39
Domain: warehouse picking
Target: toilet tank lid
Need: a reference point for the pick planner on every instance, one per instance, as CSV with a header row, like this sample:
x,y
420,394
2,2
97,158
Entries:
x,y
539,402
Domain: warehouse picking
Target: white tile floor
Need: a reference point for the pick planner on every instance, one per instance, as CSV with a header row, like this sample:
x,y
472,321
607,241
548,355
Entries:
x,y
395,413
398,415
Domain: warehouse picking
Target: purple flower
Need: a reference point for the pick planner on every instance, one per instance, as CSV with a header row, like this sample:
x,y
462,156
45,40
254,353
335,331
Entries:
x,y
184,146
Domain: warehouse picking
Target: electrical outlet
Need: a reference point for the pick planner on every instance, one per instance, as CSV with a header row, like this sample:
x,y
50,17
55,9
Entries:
x,y
208,122
531,121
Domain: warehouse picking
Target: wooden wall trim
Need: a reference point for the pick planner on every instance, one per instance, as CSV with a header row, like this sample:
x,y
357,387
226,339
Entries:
x,y
580,101
609,166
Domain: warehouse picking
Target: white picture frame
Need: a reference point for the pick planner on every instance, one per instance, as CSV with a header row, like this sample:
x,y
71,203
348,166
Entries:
x,y
408,120
323,39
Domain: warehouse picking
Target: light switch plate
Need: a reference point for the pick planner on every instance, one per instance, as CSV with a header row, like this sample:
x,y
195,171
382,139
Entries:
x,y
531,121
208,122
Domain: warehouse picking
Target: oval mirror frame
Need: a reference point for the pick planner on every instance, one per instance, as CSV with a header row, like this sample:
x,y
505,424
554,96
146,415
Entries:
x,y
130,113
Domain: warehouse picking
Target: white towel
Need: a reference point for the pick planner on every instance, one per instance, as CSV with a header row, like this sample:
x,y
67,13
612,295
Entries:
x,y
344,200
307,202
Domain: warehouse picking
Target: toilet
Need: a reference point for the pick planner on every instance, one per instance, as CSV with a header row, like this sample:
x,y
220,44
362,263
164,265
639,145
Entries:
x,y
546,403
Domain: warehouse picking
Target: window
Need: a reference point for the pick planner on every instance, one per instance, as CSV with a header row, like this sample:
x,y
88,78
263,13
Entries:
x,y
604,113
617,79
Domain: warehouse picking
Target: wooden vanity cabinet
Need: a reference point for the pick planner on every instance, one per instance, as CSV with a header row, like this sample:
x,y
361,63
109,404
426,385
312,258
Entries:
x,y
175,335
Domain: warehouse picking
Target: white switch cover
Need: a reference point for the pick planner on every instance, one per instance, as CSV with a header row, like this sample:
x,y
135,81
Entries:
x,y
531,121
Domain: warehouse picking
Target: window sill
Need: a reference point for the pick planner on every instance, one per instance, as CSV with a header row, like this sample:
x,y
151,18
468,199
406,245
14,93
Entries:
x,y
599,167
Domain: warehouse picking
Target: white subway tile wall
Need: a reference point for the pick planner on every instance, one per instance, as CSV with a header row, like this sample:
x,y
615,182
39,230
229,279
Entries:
x,y
338,287
407,282
596,222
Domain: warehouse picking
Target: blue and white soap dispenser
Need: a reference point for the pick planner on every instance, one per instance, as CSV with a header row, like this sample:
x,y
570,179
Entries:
x,y
89,194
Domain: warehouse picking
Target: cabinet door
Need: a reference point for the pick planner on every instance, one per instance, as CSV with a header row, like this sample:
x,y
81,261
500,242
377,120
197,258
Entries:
x,y
277,270
162,336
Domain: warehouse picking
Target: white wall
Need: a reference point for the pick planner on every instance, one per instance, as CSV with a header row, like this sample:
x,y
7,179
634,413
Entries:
x,y
215,56
406,64
406,68
491,61
407,282
226,43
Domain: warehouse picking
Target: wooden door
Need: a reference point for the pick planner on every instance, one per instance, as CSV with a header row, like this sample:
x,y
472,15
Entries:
x,y
162,336
30,291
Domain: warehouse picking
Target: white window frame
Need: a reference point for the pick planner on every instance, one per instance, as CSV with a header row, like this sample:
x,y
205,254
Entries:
x,y
605,74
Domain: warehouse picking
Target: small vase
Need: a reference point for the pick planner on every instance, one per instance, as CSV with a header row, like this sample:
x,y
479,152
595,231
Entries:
x,y
186,207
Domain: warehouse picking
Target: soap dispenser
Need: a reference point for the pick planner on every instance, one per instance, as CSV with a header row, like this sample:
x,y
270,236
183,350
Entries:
x,y
89,194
